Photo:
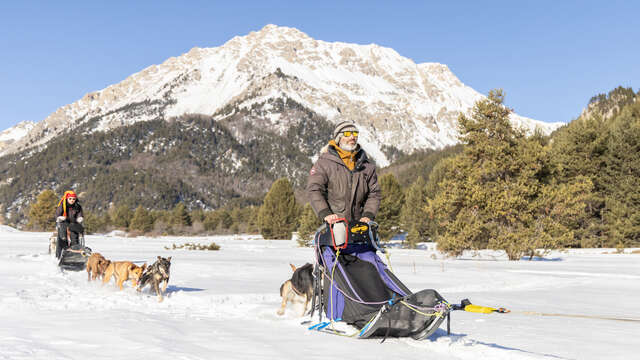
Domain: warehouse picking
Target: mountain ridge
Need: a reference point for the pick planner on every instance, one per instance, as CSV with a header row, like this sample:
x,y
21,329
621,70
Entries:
x,y
376,87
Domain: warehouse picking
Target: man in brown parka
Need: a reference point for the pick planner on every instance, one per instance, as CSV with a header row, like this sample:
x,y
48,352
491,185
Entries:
x,y
343,183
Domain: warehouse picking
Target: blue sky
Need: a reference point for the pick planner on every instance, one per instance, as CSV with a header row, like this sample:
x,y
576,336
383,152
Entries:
x,y
550,57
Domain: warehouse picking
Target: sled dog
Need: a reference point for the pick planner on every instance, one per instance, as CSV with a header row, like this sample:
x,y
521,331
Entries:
x,y
297,289
53,244
123,271
96,266
156,274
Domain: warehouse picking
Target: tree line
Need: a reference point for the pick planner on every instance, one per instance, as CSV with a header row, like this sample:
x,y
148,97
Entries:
x,y
502,188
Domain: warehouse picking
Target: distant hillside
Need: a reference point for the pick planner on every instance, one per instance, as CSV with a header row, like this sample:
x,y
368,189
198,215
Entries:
x,y
157,163
609,105
409,167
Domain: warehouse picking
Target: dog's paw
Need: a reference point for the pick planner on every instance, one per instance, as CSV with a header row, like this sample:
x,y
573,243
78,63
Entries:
x,y
280,312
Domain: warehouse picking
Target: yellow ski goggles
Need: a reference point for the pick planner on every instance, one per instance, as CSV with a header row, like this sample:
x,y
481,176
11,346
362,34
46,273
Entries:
x,y
349,133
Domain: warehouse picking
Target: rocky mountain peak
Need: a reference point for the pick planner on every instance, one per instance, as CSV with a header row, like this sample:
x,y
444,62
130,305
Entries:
x,y
383,92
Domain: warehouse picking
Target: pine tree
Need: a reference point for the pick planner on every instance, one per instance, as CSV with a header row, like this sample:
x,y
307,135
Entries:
x,y
252,219
390,206
181,215
413,215
211,221
278,214
498,194
603,146
309,223
121,216
226,220
42,212
197,215
142,220
94,223
620,180
3,221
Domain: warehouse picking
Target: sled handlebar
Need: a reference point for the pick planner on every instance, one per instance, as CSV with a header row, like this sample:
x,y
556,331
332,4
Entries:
x,y
375,240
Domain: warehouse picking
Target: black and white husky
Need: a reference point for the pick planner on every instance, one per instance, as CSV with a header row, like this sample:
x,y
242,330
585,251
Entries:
x,y
155,274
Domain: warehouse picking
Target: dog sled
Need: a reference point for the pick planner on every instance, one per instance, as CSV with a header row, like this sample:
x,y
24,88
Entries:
x,y
353,285
73,257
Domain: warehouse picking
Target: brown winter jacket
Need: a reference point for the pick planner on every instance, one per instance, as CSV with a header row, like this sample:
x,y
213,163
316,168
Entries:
x,y
334,189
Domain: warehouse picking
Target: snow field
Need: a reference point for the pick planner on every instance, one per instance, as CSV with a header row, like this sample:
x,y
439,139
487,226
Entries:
x,y
222,304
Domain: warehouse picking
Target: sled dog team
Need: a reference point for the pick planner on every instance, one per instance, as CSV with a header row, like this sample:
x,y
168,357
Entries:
x,y
297,289
140,276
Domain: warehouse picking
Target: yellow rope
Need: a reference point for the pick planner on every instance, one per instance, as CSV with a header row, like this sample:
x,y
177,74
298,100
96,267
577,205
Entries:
x,y
388,255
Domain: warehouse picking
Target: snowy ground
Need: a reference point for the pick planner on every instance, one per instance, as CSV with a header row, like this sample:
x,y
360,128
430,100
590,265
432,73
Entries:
x,y
222,305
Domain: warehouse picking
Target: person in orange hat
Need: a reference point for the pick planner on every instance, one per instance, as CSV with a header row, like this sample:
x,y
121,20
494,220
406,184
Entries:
x,y
69,218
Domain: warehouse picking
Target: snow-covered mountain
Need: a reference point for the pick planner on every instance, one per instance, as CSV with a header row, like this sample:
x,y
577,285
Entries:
x,y
383,92
13,134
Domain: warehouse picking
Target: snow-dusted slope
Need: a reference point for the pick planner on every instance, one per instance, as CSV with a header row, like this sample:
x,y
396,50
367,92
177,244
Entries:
x,y
385,93
16,133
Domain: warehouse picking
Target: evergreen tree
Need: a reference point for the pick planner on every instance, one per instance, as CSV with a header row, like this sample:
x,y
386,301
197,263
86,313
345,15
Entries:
x,y
580,149
390,206
181,215
413,237
226,220
413,215
278,215
142,220
309,223
121,216
211,221
42,212
197,215
602,145
252,219
94,223
497,193
620,180
3,221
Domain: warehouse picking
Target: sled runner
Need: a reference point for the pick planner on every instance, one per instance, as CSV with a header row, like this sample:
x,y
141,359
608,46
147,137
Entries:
x,y
353,285
74,257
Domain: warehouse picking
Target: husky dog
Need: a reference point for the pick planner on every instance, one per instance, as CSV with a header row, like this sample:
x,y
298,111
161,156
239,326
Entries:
x,y
299,288
155,274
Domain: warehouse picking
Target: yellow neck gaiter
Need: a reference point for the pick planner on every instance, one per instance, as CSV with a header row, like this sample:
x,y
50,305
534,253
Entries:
x,y
348,157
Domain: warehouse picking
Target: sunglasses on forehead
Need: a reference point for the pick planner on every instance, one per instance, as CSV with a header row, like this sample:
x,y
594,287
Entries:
x,y
349,133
